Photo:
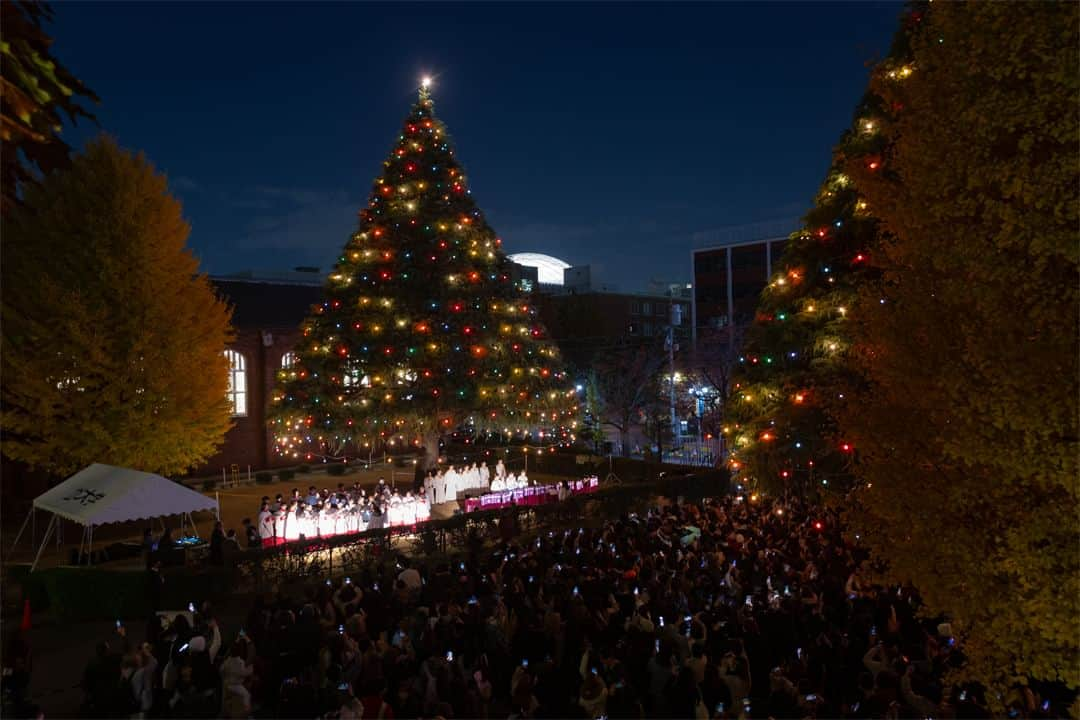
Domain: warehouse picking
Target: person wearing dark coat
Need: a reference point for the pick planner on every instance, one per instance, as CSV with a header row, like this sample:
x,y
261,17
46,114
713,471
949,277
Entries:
x,y
217,545
155,583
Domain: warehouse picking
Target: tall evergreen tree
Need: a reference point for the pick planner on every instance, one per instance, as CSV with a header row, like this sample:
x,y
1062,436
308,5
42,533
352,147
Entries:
x,y
112,339
780,431
423,327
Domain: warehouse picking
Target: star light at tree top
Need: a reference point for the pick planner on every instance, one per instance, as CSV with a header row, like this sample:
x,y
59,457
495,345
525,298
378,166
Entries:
x,y
422,327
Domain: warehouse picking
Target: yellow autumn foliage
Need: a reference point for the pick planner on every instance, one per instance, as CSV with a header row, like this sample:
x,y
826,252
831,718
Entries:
x,y
968,346
112,340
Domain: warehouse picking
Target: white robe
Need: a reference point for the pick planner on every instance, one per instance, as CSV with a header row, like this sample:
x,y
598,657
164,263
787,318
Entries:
x,y
266,525
485,476
292,528
500,470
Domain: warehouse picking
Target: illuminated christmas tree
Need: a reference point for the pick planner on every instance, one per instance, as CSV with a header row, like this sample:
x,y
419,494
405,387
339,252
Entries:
x,y
794,368
423,328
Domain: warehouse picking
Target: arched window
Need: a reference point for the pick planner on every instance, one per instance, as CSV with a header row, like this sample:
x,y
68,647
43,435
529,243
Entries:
x,y
237,392
288,360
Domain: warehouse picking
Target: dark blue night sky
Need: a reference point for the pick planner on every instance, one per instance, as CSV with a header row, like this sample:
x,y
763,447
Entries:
x,y
604,134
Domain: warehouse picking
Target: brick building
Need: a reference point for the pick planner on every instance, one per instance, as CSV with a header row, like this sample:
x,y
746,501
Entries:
x,y
267,314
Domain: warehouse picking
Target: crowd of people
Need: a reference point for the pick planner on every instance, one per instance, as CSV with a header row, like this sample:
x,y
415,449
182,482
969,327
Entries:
x,y
730,608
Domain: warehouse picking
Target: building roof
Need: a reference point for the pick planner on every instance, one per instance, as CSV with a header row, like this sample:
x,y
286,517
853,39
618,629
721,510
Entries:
x,y
549,269
268,303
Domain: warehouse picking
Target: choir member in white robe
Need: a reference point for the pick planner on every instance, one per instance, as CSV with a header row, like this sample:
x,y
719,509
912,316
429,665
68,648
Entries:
x,y
485,476
279,524
394,509
498,485
292,528
438,488
500,470
408,515
429,489
266,525
523,480
451,478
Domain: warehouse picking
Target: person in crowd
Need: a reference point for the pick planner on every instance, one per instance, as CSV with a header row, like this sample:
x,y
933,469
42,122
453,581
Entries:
x,y
217,544
155,585
148,545
236,676
251,534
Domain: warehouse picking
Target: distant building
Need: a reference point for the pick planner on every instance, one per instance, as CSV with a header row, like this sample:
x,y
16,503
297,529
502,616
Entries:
x,y
728,279
549,269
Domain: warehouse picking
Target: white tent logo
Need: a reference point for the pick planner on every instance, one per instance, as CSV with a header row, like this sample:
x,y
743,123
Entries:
x,y
84,496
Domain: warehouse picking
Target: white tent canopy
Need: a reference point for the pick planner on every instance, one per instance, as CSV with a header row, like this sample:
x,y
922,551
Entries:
x,y
102,494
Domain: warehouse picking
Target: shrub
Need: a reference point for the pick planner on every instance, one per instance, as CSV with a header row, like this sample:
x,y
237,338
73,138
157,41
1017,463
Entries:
x,y
285,475
264,478
335,469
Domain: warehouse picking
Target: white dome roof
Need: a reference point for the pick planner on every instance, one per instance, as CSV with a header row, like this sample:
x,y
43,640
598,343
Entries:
x,y
549,270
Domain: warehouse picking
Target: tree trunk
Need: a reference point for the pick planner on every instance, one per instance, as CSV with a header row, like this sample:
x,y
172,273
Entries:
x,y
430,459
624,440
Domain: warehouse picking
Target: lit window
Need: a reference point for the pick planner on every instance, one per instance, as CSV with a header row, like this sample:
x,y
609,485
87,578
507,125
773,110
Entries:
x,y
288,360
352,377
237,392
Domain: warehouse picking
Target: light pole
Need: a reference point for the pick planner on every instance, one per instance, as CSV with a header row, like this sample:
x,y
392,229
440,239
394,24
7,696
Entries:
x,y
674,318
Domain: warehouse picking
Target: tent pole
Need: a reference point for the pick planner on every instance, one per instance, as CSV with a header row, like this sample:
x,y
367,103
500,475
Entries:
x,y
90,547
44,542
82,540
21,529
